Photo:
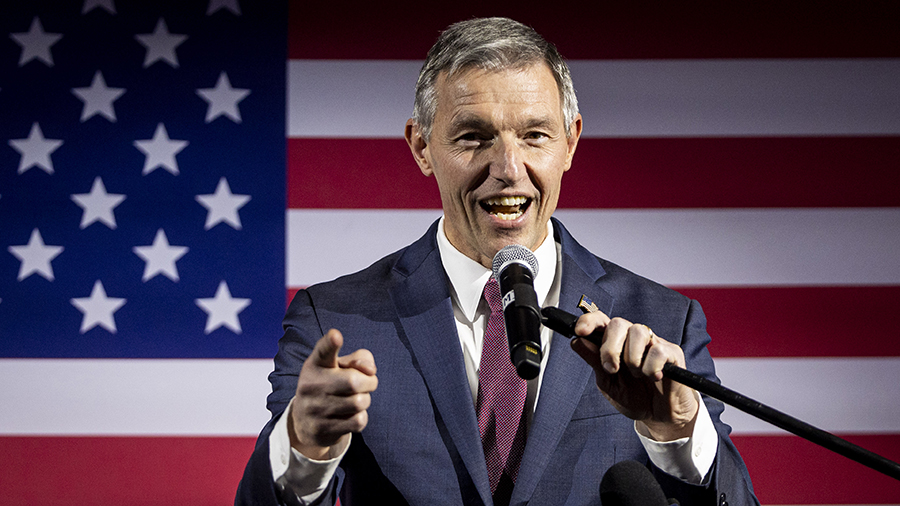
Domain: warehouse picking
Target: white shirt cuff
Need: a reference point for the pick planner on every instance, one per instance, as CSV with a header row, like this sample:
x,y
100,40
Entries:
x,y
292,471
689,458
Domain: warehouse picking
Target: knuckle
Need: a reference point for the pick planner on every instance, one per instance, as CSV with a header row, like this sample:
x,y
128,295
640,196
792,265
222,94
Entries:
x,y
361,419
354,382
362,402
656,353
619,322
596,318
355,423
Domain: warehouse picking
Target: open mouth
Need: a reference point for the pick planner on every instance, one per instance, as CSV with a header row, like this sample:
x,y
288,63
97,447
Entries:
x,y
506,208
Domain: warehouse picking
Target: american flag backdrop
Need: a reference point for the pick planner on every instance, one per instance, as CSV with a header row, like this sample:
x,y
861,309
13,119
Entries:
x,y
157,198
142,214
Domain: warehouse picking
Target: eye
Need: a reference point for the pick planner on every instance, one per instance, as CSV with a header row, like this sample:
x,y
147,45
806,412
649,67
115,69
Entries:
x,y
536,136
473,140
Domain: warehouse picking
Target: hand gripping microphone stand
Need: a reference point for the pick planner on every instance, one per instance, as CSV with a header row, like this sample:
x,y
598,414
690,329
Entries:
x,y
564,323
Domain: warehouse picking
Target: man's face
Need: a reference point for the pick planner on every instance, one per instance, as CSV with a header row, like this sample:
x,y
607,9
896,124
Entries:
x,y
498,150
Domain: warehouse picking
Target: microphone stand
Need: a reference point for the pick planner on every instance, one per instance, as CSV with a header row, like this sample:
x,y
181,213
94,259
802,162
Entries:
x,y
564,323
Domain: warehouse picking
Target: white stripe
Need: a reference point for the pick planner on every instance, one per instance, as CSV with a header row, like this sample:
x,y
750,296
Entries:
x,y
227,397
662,98
716,247
347,98
630,98
841,395
133,397
323,244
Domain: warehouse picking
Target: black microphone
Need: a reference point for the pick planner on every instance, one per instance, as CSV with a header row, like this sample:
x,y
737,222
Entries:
x,y
514,268
630,483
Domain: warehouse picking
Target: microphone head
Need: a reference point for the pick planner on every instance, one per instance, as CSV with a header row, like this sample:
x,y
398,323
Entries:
x,y
630,483
514,253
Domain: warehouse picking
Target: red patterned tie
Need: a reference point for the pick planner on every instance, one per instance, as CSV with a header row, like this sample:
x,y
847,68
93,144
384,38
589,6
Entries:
x,y
501,397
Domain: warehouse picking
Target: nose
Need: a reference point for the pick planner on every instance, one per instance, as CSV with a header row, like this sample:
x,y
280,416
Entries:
x,y
507,162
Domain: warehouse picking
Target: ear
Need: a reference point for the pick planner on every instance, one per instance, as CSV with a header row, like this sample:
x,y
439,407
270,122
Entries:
x,y
418,145
572,140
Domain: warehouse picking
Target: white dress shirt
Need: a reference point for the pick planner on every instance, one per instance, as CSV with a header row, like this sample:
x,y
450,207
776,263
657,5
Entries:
x,y
688,458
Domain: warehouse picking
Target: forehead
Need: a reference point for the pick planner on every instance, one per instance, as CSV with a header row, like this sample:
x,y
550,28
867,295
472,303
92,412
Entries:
x,y
530,88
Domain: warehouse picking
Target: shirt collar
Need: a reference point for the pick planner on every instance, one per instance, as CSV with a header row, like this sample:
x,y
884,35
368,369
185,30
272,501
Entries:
x,y
468,277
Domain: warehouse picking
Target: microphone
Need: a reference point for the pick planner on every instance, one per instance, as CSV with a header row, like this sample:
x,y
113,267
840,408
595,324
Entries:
x,y
630,483
514,268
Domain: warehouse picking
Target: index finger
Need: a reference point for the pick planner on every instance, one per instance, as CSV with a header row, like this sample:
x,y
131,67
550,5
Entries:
x,y
591,323
325,353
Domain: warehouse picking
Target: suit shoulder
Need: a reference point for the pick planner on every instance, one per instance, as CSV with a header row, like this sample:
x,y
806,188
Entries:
x,y
620,282
363,293
631,285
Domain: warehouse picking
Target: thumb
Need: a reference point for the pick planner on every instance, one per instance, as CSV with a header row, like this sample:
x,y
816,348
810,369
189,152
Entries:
x,y
325,354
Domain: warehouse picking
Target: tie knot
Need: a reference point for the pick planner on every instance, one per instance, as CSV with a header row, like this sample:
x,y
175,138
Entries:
x,y
492,296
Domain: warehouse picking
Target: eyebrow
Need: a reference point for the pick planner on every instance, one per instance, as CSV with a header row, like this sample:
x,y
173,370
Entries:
x,y
540,123
472,122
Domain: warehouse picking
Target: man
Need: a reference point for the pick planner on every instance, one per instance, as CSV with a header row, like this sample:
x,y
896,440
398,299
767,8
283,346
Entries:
x,y
496,123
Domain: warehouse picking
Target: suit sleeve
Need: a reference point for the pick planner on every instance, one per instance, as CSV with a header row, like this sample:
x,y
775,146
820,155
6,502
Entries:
x,y
730,481
301,332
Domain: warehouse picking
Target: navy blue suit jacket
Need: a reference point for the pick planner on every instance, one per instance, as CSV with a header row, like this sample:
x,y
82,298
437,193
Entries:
x,y
422,444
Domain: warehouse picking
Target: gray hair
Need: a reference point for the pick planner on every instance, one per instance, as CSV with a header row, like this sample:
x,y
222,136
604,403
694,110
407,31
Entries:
x,y
489,44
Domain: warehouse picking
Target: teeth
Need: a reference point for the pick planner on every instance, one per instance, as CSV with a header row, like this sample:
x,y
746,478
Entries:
x,y
506,201
508,216
506,208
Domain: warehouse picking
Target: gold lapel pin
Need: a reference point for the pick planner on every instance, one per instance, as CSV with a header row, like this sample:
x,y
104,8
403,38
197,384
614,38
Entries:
x,y
586,305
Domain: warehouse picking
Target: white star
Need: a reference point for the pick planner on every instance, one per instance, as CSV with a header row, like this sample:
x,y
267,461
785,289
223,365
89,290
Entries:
x,y
215,5
36,43
35,150
223,206
161,44
160,151
160,257
90,5
222,310
98,309
98,205
35,256
223,99
98,99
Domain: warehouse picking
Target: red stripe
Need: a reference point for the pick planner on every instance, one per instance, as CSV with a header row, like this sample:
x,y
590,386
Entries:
x,y
171,470
602,30
734,172
796,321
356,174
801,321
624,173
790,470
122,470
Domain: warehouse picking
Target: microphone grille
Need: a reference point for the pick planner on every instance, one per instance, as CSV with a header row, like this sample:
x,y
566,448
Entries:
x,y
630,483
514,253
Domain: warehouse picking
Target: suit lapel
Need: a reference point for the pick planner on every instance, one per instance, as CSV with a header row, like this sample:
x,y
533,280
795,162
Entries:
x,y
423,306
566,375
